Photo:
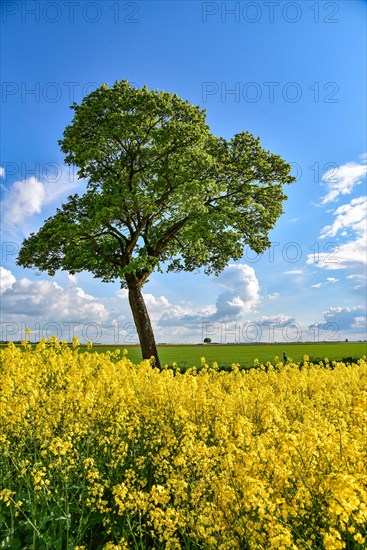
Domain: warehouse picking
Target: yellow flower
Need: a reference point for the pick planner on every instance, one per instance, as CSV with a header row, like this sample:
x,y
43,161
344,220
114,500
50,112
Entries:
x,y
212,456
75,342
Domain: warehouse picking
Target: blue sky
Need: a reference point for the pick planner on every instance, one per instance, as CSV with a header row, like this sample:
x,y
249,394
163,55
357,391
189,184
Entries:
x,y
292,73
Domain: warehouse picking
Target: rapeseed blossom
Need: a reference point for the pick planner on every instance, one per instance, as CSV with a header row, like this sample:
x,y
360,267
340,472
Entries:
x,y
96,452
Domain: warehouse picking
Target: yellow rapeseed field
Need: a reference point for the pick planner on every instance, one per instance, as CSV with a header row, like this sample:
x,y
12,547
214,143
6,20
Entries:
x,y
98,453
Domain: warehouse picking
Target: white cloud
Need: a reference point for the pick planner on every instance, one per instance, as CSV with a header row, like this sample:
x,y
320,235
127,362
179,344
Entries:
x,y
342,180
27,197
171,322
2,172
72,278
293,272
350,217
339,323
47,301
273,296
7,279
243,292
329,280
48,305
241,296
349,255
360,282
274,328
359,276
159,307
347,318
277,321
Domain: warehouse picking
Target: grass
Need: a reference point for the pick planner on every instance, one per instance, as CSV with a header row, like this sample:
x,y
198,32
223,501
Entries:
x,y
189,355
225,355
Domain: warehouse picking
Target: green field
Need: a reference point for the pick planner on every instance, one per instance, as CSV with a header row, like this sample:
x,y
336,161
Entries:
x,y
189,355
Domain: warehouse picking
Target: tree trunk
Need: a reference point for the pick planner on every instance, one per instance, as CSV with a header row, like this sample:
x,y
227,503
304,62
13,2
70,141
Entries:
x,y
142,320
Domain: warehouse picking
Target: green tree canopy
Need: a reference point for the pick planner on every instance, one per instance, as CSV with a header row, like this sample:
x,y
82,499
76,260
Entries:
x,y
162,193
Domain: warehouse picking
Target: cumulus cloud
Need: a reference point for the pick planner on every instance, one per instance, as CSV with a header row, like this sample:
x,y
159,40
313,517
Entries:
x,y
347,318
241,296
243,292
342,180
48,301
171,322
349,218
24,198
43,302
159,307
7,279
339,323
27,197
280,320
72,278
264,329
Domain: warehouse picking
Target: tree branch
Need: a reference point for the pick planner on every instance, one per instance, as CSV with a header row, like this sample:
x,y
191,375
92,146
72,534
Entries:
x,y
97,248
168,235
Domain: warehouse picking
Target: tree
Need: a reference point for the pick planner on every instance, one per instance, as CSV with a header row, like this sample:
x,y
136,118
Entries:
x,y
207,340
162,193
